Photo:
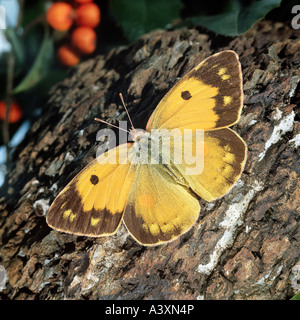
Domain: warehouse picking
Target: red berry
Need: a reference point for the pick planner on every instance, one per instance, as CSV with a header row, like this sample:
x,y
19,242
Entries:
x,y
68,56
88,15
84,39
15,112
60,16
83,1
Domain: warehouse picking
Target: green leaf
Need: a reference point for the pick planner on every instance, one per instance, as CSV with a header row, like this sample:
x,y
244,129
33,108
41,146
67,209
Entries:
x,y
40,66
141,16
238,16
296,296
254,12
16,44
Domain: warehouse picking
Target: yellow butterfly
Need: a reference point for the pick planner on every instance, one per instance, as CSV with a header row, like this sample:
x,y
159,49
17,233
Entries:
x,y
158,202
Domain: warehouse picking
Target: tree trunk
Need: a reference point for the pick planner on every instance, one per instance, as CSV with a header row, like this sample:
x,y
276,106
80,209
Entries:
x,y
243,246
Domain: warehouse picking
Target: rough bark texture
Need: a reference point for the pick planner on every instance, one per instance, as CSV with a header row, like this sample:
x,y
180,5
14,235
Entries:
x,y
243,246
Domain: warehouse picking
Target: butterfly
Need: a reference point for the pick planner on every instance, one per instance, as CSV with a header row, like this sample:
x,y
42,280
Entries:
x,y
159,202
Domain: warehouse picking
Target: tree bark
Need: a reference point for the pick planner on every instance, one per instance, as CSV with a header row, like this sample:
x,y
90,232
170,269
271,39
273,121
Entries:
x,y
243,246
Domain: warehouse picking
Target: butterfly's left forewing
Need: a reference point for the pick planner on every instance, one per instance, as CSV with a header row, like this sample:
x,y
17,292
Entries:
x,y
93,202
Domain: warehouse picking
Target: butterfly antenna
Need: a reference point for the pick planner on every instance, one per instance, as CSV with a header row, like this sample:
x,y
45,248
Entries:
x,y
121,96
99,120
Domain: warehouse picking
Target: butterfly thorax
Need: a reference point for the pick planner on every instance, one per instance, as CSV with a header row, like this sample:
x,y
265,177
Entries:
x,y
144,149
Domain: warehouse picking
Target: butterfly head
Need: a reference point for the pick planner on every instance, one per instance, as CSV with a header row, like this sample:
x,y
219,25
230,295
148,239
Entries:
x,y
138,135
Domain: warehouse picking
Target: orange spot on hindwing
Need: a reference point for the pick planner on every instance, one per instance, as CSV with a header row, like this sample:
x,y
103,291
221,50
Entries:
x,y
146,200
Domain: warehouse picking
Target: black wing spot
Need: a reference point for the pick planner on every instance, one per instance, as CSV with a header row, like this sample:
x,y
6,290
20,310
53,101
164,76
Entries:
x,y
186,95
94,179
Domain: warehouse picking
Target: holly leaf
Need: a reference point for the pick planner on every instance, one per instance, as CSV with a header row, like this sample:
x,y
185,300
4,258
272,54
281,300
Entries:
x,y
141,16
16,44
238,16
41,65
296,296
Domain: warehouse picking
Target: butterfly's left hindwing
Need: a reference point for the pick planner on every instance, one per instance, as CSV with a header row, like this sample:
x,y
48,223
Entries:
x,y
159,209
93,202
